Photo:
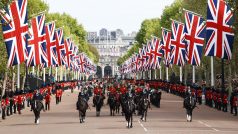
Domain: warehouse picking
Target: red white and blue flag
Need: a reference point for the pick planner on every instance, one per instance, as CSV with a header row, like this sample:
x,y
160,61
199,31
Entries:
x,y
36,43
194,36
15,28
166,42
156,53
60,49
68,45
178,46
219,33
51,44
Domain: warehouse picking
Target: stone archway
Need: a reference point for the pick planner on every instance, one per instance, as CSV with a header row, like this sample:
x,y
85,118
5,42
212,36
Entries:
x,y
99,72
108,71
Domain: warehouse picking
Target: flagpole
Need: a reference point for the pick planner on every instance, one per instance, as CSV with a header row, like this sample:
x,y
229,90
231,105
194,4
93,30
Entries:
x,y
44,75
193,74
167,73
56,73
18,77
212,72
160,73
181,71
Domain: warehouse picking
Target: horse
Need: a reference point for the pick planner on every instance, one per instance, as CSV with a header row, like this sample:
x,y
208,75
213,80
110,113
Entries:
x,y
117,104
144,104
189,105
122,100
37,106
82,107
112,104
98,103
137,98
129,109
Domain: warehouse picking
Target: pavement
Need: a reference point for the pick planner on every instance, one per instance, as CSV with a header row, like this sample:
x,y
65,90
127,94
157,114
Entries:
x,y
169,119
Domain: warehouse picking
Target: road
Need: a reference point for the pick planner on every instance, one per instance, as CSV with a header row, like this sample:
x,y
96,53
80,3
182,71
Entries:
x,y
169,119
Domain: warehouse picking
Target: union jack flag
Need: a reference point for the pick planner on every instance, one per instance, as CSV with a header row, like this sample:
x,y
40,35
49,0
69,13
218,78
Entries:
x,y
82,63
194,36
60,49
36,42
166,42
51,44
149,55
15,27
68,50
220,35
178,46
156,52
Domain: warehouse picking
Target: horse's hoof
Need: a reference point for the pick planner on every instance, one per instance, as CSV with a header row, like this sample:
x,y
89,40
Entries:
x,y
131,126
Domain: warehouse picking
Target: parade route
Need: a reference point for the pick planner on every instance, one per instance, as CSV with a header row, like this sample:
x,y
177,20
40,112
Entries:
x,y
170,118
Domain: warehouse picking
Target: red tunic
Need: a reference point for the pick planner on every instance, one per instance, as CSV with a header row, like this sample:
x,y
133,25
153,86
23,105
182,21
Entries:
x,y
97,91
47,98
3,104
123,90
225,99
19,99
234,101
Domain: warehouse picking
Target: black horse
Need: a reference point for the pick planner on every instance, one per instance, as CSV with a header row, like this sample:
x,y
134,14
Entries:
x,y
143,105
82,107
122,100
129,109
112,104
98,102
37,106
118,104
189,105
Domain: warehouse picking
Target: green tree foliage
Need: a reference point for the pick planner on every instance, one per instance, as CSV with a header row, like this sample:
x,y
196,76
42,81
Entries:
x,y
175,11
70,25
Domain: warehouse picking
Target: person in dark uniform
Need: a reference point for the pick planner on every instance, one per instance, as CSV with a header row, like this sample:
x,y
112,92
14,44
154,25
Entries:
x,y
37,105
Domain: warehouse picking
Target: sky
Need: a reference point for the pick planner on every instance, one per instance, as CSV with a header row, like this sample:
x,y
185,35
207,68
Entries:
x,y
110,14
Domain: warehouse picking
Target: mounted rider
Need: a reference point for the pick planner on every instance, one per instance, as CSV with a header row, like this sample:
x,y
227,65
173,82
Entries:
x,y
97,91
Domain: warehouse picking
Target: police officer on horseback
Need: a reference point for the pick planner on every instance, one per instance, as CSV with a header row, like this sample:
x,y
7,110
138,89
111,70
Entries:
x,y
37,105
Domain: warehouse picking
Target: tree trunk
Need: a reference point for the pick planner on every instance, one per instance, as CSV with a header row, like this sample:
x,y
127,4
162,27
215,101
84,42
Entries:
x,y
4,84
13,81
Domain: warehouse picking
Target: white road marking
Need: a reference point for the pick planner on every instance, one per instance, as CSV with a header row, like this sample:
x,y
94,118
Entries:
x,y
145,129
208,126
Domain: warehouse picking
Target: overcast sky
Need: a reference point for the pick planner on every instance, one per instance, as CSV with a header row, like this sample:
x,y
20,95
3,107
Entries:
x,y
110,14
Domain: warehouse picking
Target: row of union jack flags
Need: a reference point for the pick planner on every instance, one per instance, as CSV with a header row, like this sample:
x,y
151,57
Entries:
x,y
39,43
184,42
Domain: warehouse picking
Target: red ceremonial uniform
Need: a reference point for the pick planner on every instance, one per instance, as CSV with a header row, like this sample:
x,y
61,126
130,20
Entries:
x,y
123,90
234,102
225,99
57,93
47,97
97,91
19,99
138,90
112,90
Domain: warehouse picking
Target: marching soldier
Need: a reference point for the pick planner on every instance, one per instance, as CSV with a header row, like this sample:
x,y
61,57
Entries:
x,y
47,101
3,105
199,95
224,101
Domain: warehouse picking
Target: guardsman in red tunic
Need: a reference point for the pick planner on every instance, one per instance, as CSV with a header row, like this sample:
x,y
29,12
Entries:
x,y
235,104
199,95
19,103
3,105
57,96
219,100
97,91
15,104
123,90
113,90
60,94
214,98
225,101
7,102
138,90
47,101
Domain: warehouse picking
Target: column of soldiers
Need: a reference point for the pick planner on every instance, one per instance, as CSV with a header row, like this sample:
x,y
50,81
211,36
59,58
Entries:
x,y
14,102
213,98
